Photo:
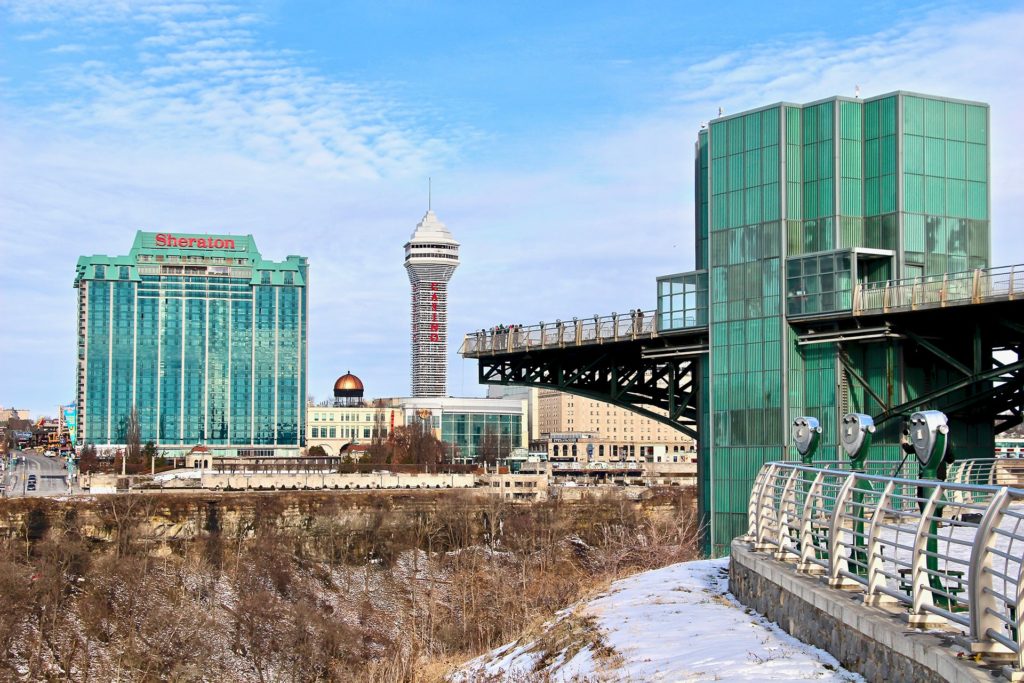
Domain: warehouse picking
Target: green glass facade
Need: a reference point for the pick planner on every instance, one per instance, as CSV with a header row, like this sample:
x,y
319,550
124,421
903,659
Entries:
x,y
465,432
201,335
794,205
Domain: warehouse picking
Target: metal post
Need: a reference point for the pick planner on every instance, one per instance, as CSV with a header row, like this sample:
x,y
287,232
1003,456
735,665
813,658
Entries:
x,y
785,541
752,504
808,548
919,578
875,578
836,559
984,607
759,530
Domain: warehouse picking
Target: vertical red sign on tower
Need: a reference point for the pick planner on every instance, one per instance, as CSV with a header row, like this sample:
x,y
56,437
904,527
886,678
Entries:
x,y
434,327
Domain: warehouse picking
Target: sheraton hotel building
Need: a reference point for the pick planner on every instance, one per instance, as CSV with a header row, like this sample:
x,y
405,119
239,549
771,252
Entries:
x,y
199,334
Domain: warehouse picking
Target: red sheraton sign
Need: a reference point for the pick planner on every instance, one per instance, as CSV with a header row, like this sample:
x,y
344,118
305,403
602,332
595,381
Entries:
x,y
165,240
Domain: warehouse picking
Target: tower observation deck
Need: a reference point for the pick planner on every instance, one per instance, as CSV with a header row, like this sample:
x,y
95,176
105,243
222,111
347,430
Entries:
x,y
431,256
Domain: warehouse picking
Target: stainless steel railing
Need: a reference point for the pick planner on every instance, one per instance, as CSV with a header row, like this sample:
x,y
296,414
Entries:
x,y
986,472
575,332
935,291
950,552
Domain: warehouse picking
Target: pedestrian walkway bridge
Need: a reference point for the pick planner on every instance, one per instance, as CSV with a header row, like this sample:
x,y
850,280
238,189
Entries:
x,y
888,298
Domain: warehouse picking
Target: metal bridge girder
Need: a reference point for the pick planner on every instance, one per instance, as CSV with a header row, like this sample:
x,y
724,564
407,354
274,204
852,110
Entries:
x,y
614,373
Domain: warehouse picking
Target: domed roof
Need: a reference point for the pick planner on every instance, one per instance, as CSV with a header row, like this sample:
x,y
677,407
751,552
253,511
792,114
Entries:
x,y
431,229
348,385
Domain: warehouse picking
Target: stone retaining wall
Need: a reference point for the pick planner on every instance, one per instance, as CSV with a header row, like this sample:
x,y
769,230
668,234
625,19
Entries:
x,y
872,641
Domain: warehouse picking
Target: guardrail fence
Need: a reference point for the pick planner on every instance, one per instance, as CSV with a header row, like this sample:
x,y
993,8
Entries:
x,y
949,552
936,291
575,332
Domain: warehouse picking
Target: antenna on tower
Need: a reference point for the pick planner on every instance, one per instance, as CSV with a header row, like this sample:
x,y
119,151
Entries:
x,y
429,192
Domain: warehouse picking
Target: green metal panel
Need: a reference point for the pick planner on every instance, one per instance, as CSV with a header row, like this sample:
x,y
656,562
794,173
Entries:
x,y
937,150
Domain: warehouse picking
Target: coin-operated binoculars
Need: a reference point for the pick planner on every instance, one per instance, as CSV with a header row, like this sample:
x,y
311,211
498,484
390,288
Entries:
x,y
929,434
855,436
806,434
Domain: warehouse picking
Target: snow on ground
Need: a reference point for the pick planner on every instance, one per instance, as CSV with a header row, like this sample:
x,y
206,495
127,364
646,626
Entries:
x,y
178,474
678,623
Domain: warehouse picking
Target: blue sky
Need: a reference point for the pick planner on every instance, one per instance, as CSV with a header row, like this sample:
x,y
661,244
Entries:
x,y
559,137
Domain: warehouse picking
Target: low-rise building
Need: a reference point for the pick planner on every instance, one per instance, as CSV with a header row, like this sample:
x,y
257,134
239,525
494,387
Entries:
x,y
585,430
348,421
516,487
472,429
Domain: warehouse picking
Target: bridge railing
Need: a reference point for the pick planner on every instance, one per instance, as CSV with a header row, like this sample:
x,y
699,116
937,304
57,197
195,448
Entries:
x,y
948,553
987,472
936,291
561,333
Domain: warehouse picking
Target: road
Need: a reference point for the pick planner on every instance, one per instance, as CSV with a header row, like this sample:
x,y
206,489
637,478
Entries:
x,y
50,475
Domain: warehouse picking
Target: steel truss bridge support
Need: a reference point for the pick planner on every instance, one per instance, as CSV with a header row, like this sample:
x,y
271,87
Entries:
x,y
969,361
628,374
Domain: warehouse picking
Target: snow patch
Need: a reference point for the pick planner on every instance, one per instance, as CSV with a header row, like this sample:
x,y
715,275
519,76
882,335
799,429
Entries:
x,y
678,623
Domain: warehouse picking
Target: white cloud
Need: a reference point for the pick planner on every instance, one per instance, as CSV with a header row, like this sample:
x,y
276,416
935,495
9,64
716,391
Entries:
x,y
194,133
197,77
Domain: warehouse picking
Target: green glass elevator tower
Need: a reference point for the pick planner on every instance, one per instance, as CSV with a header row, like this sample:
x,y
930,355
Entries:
x,y
202,336
795,204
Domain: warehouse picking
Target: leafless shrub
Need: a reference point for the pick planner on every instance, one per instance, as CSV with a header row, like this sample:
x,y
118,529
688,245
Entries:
x,y
307,587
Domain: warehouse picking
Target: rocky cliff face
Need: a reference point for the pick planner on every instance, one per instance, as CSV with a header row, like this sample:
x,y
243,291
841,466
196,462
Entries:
x,y
368,523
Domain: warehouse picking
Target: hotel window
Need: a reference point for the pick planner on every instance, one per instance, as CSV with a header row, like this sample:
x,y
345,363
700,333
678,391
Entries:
x,y
289,278
123,274
333,433
316,433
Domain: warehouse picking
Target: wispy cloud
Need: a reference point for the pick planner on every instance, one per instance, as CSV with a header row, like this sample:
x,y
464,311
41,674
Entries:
x,y
37,35
196,76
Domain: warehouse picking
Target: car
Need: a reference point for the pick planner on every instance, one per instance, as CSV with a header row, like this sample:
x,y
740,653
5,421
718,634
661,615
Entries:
x,y
31,486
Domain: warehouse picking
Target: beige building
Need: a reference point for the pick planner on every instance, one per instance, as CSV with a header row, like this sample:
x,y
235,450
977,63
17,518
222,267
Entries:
x,y
593,431
335,427
348,420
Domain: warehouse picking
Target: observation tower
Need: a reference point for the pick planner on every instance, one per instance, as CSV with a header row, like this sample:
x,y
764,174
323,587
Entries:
x,y
431,256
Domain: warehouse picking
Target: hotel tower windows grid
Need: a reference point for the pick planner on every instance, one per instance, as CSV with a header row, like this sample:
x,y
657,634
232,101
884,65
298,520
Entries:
x,y
208,344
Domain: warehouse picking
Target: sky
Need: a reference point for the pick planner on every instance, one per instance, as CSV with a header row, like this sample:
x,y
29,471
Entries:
x,y
558,136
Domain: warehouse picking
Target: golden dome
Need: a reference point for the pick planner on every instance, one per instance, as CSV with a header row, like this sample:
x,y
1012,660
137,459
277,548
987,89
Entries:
x,y
348,385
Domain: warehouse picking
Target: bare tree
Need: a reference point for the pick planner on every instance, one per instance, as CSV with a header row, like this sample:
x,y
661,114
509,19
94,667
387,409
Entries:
x,y
489,450
132,437
416,444
380,451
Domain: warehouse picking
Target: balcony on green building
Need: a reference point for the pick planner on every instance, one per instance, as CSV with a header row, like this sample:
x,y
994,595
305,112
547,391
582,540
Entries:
x,y
683,301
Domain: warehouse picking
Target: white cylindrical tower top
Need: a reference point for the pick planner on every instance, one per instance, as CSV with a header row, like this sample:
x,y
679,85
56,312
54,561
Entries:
x,y
431,241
